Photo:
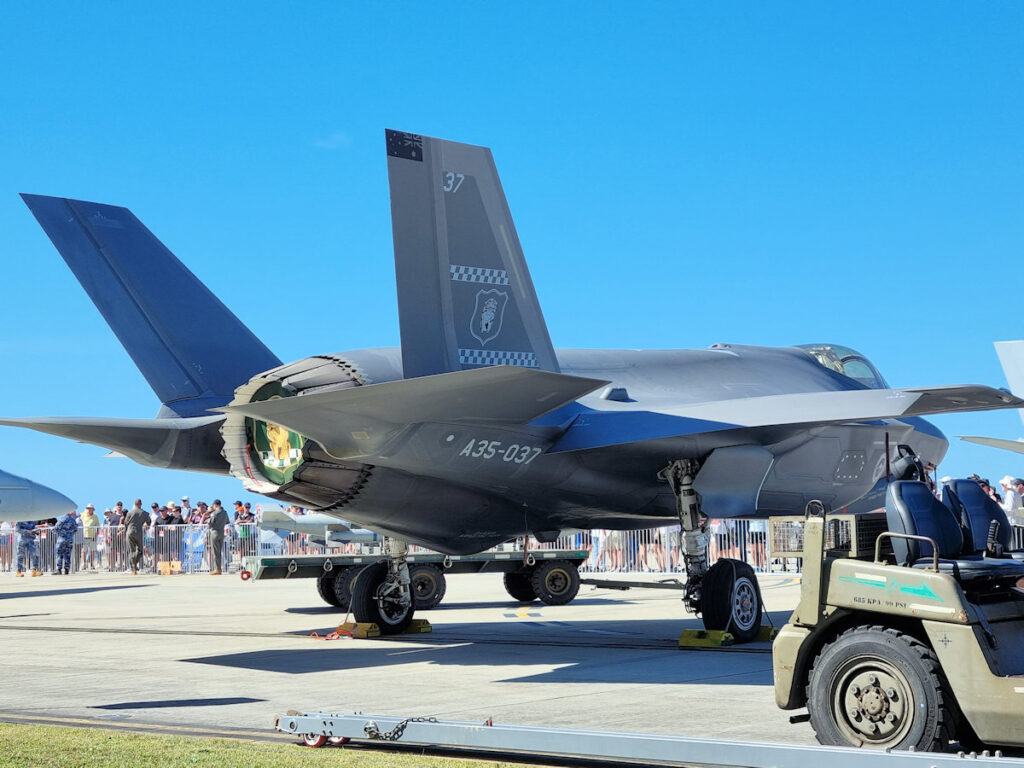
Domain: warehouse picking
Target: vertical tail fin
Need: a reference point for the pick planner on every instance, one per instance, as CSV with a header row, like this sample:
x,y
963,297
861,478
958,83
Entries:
x,y
1011,357
465,297
191,348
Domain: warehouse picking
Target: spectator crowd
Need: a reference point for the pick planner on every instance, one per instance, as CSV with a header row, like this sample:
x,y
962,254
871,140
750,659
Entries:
x,y
136,539
157,538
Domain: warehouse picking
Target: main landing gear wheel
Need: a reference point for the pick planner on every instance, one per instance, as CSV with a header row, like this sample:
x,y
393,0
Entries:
x,y
378,600
325,586
343,581
877,687
730,600
428,586
555,582
519,586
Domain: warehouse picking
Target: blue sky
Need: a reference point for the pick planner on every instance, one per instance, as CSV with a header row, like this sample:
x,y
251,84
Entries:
x,y
680,175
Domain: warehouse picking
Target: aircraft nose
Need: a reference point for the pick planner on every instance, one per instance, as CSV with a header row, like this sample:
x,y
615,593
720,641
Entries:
x,y
47,503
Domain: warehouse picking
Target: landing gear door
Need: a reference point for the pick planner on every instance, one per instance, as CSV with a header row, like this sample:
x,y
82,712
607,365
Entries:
x,y
730,480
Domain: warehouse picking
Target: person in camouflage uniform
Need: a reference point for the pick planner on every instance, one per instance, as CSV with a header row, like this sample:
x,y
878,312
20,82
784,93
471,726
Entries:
x,y
66,527
27,547
134,524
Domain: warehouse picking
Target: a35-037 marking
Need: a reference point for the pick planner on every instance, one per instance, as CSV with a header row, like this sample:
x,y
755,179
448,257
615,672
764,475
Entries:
x,y
493,450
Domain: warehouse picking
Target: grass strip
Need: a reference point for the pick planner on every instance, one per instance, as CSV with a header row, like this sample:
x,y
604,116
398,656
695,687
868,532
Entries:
x,y
51,746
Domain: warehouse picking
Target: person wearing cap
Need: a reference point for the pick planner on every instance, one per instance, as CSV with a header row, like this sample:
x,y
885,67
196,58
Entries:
x,y
174,513
1011,498
161,535
218,521
244,525
66,527
186,508
90,526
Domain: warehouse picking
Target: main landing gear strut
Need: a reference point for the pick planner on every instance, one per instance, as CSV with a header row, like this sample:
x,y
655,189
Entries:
x,y
382,593
725,595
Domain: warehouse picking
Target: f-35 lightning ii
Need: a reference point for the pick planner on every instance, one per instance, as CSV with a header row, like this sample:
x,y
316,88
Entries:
x,y
477,430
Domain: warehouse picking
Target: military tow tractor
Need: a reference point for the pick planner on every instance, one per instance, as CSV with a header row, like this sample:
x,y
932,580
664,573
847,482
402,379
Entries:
x,y
900,639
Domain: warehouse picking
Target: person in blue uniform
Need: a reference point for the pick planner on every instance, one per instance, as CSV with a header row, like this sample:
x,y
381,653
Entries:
x,y
66,527
27,548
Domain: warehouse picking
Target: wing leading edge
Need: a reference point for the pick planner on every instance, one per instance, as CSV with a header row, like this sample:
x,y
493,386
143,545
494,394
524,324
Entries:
x,y
629,424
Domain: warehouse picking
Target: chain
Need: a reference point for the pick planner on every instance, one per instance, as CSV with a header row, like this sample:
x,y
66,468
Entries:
x,y
372,732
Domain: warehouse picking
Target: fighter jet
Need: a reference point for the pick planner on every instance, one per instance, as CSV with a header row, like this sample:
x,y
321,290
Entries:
x,y
1011,357
476,430
21,499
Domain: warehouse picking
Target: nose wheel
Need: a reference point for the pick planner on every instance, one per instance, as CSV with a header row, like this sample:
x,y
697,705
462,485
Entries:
x,y
731,600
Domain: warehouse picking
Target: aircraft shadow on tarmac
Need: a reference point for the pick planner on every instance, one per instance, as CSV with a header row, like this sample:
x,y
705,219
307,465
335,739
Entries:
x,y
509,605
167,703
581,652
75,591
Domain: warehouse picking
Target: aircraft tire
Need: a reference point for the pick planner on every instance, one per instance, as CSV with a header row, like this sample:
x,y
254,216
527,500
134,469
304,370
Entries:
x,y
731,600
325,586
428,586
556,582
877,687
369,608
343,581
519,587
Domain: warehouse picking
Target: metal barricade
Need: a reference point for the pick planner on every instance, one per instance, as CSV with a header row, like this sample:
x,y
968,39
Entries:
x,y
660,550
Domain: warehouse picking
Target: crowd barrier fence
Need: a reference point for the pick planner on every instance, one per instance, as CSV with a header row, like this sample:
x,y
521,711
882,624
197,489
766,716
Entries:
x,y
184,548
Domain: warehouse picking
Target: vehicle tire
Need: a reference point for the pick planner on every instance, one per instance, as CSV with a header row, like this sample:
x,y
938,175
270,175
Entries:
x,y
519,586
314,739
556,582
428,586
372,604
877,687
325,586
343,582
731,600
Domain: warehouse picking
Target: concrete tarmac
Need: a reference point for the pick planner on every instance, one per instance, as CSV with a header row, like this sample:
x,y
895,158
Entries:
x,y
218,652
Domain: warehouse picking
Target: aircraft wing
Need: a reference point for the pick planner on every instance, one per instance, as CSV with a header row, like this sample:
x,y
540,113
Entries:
x,y
632,422
1017,446
358,421
188,443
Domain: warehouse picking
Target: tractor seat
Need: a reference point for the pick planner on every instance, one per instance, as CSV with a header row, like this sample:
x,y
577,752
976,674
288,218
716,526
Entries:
x,y
911,508
976,510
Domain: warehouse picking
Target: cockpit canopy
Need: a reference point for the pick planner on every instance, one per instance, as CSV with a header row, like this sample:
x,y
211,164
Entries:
x,y
846,361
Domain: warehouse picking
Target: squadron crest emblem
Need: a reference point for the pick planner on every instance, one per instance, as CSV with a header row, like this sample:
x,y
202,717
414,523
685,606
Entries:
x,y
488,315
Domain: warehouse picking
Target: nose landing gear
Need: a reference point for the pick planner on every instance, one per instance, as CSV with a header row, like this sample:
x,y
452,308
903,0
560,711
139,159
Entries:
x,y
726,595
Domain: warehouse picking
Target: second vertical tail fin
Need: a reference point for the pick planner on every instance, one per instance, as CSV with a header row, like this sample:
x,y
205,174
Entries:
x,y
191,348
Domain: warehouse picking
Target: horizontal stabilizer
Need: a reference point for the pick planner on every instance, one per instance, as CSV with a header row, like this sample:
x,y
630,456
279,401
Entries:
x,y
633,422
191,348
189,443
1017,446
352,422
